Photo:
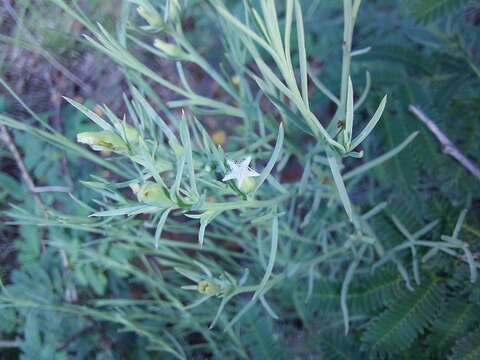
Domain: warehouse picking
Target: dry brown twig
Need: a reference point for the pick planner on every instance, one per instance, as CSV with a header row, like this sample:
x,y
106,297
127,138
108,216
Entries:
x,y
8,141
447,146
6,344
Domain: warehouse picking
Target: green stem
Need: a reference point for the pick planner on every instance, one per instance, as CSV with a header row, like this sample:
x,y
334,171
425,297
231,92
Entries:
x,y
243,204
349,23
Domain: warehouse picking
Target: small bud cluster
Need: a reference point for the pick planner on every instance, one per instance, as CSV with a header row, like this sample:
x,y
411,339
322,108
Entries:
x,y
107,140
151,193
171,50
155,20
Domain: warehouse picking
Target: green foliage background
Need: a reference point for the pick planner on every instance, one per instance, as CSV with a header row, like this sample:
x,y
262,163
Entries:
x,y
130,302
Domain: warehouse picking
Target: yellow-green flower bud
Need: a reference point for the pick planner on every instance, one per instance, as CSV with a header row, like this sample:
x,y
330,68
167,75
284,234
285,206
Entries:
x,y
219,137
248,185
170,50
207,287
151,16
163,165
131,134
236,80
174,10
103,140
152,194
177,148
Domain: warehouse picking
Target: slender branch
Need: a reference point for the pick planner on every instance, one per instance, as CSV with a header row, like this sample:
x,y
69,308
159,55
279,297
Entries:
x,y
46,189
447,146
348,26
8,141
5,344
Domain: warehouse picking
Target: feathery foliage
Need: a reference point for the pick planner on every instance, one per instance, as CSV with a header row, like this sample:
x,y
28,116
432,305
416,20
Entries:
x,y
325,221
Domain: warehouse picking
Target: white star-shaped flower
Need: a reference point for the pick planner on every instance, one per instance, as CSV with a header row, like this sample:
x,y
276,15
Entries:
x,y
240,171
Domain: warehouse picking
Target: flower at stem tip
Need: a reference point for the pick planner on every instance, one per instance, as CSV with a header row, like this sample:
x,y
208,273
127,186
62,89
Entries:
x,y
242,173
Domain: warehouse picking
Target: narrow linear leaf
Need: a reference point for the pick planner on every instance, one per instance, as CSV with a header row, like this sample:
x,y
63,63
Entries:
x,y
161,223
345,285
271,259
302,54
371,124
206,219
321,86
347,134
288,30
366,90
268,308
273,159
123,211
379,160
90,114
337,177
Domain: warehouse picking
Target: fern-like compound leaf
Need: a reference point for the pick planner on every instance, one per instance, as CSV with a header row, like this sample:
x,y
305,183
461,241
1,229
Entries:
x,y
407,316
336,346
468,348
430,10
454,322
